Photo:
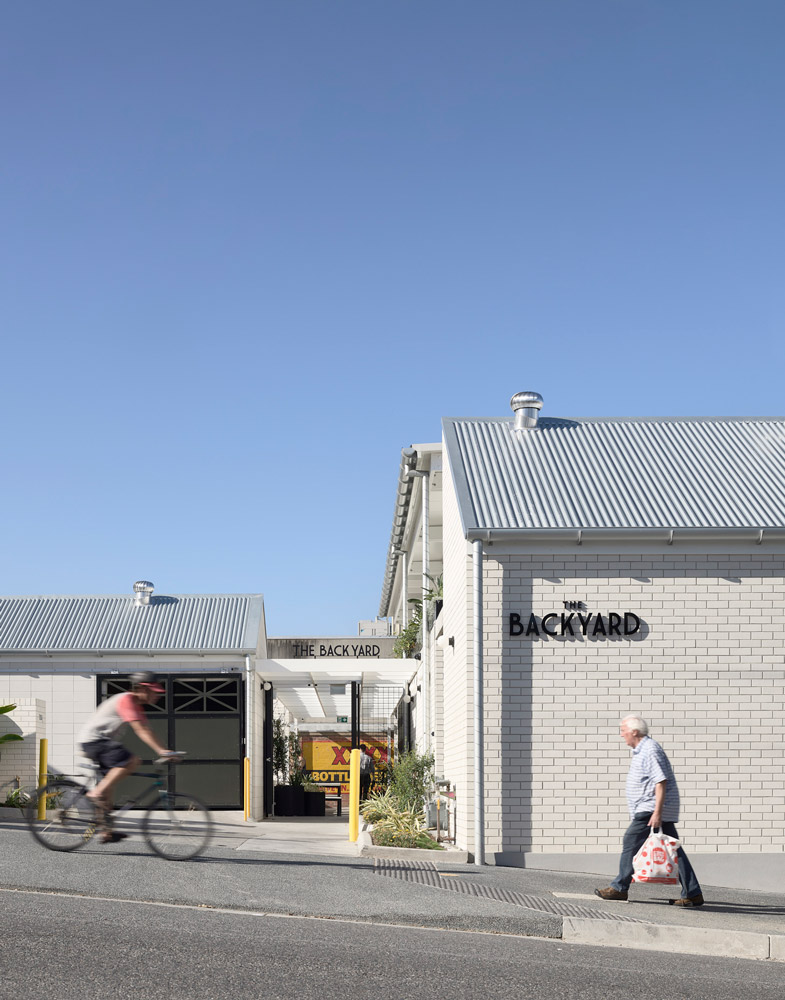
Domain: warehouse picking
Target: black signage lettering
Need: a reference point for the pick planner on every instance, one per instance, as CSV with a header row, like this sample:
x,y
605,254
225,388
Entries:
x,y
599,626
565,623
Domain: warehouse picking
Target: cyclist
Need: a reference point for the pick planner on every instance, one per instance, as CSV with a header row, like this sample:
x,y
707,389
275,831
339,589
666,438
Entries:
x,y
98,739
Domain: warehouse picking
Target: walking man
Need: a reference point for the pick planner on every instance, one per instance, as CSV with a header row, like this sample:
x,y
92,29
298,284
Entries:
x,y
653,801
367,768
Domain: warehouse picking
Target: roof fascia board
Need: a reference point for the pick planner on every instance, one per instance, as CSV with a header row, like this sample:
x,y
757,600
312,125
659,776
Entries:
x,y
255,635
458,475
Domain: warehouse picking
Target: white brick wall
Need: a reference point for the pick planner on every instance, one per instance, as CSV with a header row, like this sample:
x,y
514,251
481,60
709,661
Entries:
x,y
708,676
19,760
70,700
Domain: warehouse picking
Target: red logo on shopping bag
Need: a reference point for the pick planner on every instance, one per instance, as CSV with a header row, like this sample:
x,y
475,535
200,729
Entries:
x,y
658,855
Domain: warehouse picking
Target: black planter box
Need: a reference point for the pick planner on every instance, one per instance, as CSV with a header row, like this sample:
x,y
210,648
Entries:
x,y
314,803
289,800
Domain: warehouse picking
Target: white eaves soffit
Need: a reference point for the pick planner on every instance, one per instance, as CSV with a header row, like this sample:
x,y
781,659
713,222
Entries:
x,y
307,693
675,474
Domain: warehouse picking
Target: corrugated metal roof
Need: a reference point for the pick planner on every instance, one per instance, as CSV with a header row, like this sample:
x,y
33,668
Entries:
x,y
204,622
619,472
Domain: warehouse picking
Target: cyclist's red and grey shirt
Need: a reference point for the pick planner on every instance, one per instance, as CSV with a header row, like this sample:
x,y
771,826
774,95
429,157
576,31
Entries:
x,y
111,717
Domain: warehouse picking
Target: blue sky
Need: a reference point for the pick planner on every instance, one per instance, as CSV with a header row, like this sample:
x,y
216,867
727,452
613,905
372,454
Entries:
x,y
253,249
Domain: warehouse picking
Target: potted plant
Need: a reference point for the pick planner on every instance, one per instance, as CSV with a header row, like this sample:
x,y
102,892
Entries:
x,y
15,801
314,799
288,796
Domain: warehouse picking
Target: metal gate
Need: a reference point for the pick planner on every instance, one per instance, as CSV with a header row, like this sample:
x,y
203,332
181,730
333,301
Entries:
x,y
201,714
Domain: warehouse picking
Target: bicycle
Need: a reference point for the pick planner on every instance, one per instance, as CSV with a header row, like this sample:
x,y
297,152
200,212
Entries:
x,y
178,831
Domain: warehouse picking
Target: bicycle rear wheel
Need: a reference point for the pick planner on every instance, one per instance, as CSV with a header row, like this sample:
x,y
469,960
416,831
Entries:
x,y
71,818
180,830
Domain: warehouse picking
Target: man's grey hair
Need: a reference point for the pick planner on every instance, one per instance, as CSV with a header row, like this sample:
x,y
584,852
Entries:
x,y
636,724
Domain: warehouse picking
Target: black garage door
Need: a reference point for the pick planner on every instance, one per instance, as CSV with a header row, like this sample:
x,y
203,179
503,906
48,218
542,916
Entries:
x,y
201,714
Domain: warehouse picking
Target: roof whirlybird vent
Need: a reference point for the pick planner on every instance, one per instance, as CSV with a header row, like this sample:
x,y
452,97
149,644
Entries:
x,y
143,591
526,406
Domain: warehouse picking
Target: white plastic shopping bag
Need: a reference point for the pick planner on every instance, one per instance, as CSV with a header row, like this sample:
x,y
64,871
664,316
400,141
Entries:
x,y
657,860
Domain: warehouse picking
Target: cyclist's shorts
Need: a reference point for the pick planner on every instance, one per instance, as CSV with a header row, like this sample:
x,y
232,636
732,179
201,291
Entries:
x,y
107,753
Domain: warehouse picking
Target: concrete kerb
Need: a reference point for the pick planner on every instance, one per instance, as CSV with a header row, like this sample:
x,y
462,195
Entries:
x,y
668,938
367,849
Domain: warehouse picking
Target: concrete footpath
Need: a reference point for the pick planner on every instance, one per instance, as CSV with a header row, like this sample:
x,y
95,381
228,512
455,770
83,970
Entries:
x,y
308,867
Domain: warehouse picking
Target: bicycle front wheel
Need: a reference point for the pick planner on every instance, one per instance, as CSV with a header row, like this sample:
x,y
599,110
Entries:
x,y
180,829
70,820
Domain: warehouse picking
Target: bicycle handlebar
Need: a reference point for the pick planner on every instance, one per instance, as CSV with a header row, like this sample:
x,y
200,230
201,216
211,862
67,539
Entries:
x,y
169,756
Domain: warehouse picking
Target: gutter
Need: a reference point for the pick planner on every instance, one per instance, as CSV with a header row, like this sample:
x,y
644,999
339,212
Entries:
x,y
667,535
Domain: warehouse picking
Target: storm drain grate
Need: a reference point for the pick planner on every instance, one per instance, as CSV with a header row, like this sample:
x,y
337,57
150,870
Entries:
x,y
426,873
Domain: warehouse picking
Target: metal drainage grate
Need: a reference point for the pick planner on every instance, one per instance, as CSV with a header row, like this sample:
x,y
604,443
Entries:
x,y
426,873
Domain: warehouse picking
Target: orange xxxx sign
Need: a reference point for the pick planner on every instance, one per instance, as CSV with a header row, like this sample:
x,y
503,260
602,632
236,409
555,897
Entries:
x,y
339,756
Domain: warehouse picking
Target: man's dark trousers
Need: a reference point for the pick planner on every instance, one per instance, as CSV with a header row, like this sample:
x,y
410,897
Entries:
x,y
634,839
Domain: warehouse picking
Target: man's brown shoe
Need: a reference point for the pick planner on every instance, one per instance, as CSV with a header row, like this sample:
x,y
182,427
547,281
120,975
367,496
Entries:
x,y
611,893
687,901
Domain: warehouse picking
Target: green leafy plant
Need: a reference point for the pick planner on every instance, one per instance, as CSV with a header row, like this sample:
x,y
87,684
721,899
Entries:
x,y
421,840
385,812
9,737
280,751
17,798
408,641
412,777
288,762
379,806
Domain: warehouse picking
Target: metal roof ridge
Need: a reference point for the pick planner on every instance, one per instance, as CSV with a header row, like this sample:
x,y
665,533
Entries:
x,y
622,419
128,597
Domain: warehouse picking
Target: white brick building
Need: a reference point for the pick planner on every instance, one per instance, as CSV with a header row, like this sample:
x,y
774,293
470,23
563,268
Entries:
x,y
66,653
677,523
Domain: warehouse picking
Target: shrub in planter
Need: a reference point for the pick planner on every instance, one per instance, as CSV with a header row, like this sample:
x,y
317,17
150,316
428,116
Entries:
x,y
391,838
411,778
17,798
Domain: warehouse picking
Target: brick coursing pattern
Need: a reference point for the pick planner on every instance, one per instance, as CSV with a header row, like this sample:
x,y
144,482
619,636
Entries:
x,y
20,759
707,672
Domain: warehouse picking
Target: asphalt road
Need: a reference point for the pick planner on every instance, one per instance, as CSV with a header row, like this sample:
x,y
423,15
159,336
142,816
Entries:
x,y
71,947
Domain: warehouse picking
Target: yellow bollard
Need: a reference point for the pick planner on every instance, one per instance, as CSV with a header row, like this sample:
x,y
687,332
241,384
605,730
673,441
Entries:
x,y
246,788
354,794
42,761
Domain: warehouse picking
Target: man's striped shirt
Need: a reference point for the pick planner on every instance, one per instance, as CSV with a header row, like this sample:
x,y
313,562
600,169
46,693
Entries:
x,y
648,767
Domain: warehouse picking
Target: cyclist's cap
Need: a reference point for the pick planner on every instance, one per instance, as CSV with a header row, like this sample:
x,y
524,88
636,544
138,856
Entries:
x,y
146,679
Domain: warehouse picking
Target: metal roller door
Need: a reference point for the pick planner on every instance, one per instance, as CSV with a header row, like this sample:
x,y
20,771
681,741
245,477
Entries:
x,y
201,714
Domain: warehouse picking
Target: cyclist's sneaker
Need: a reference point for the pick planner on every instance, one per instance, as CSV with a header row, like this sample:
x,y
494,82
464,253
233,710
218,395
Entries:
x,y
112,837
